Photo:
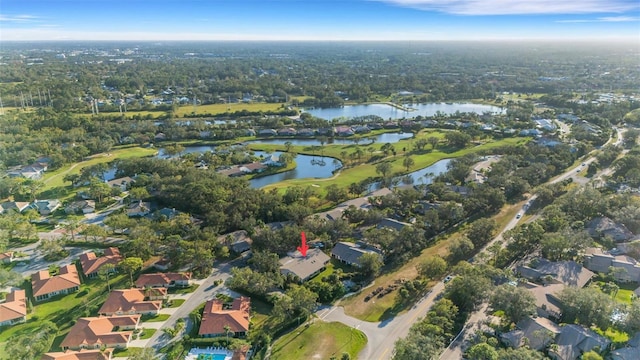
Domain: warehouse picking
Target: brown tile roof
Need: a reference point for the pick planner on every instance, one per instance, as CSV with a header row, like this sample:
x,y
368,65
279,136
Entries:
x,y
6,255
214,318
14,307
90,263
42,283
130,300
161,279
92,331
79,355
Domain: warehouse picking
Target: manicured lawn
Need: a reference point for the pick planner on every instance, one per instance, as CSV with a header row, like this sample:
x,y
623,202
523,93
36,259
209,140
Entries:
x,y
331,267
185,290
215,109
319,340
146,334
176,303
260,312
123,353
156,318
54,179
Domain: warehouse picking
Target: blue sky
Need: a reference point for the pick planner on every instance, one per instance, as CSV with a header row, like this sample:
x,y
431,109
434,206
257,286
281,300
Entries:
x,y
319,19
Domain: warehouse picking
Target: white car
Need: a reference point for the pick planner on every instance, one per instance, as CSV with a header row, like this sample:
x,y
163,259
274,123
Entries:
x,y
519,216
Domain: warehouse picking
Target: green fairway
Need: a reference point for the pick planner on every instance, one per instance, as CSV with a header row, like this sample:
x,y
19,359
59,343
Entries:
x,y
319,340
215,109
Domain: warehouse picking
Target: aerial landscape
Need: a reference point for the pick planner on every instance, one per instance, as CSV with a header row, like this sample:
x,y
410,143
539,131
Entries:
x,y
285,180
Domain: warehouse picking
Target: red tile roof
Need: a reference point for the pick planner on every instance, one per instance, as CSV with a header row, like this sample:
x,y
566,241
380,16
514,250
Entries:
x,y
92,331
214,318
14,307
130,300
79,355
161,279
90,263
42,283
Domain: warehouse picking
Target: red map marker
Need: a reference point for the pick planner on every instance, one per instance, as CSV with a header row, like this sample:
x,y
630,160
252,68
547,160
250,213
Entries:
x,y
303,247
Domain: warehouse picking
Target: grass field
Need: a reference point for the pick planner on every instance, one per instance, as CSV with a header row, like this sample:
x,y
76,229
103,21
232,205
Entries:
x,y
176,303
215,109
128,115
146,334
319,340
155,318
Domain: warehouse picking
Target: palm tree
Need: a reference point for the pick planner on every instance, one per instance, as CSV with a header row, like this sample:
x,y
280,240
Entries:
x,y
227,330
105,273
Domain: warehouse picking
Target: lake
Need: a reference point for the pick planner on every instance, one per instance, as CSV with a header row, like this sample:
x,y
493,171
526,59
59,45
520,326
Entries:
x,y
389,112
423,176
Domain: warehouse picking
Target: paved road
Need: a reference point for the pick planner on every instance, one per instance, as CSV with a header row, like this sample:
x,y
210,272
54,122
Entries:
x,y
381,336
206,291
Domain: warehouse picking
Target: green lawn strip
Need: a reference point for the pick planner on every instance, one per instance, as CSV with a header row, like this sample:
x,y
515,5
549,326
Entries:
x,y
123,353
55,178
176,303
185,290
260,313
146,334
140,114
215,109
155,318
319,340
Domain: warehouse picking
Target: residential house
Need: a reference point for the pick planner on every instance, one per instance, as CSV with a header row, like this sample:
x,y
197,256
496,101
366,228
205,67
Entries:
x,y
46,207
162,264
361,129
388,223
18,206
327,131
45,286
267,132
546,296
272,160
568,273
84,206
233,171
166,213
254,167
625,268
216,320
237,241
304,267
160,137
344,131
287,132
132,301
14,309
306,132
7,257
138,209
536,332
91,263
575,340
630,352
605,227
122,183
101,332
163,280
250,132
79,355
546,124
350,253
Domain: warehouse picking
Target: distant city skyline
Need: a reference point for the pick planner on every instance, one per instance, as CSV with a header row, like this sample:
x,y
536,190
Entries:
x,y
412,20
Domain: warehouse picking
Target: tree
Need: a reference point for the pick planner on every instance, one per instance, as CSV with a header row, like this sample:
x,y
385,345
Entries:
x,y
71,224
288,145
481,231
384,168
227,331
591,355
99,189
298,301
336,194
95,231
370,264
482,351
53,248
516,302
433,141
408,162
460,249
139,193
131,265
432,267
420,144
105,273
417,346
9,277
586,306
457,139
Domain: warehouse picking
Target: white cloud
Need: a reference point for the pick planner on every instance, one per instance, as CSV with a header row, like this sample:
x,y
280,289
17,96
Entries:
x,y
518,7
603,19
19,18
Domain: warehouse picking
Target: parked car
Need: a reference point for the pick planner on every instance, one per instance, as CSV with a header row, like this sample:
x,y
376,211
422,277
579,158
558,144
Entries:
x,y
447,279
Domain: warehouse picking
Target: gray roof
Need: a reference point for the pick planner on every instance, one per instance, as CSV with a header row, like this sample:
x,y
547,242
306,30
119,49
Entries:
x,y
304,267
350,253
575,340
566,272
540,331
239,241
393,224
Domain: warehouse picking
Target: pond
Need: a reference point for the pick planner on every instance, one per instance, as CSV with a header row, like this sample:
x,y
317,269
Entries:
x,y
423,176
382,138
389,112
317,167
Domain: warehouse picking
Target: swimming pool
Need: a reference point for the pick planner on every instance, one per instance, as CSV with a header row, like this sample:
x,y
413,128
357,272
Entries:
x,y
212,357
209,354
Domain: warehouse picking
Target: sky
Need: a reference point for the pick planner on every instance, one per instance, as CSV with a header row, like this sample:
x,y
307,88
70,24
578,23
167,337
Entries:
x,y
338,20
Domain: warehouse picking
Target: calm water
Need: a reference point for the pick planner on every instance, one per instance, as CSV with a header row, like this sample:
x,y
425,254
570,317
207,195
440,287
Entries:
x,y
307,167
389,112
423,176
382,138
188,150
